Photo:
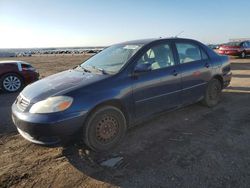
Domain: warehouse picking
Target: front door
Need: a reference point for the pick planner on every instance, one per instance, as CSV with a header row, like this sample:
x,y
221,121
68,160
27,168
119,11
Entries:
x,y
158,87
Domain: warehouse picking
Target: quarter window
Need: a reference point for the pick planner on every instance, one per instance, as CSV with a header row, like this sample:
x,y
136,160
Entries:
x,y
158,57
203,54
245,44
190,52
248,44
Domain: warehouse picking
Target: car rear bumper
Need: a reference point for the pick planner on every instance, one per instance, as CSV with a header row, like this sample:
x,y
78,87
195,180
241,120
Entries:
x,y
47,129
30,77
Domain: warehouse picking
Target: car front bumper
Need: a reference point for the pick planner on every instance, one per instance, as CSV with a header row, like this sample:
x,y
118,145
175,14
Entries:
x,y
47,129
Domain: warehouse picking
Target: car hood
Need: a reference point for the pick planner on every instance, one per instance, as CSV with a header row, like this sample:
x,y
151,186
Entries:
x,y
59,84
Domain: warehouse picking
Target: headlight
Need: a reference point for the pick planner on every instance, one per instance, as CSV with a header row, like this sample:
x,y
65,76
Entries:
x,y
52,104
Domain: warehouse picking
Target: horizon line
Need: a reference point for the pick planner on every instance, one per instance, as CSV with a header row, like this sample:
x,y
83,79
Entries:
x,y
101,46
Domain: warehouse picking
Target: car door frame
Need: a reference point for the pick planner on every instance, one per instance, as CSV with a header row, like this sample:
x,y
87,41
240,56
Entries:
x,y
207,66
144,50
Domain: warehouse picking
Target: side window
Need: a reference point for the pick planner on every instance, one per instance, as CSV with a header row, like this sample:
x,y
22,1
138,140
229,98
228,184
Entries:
x,y
203,55
189,52
157,57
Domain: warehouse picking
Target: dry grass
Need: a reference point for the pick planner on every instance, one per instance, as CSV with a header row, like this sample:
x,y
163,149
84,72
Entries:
x,y
51,64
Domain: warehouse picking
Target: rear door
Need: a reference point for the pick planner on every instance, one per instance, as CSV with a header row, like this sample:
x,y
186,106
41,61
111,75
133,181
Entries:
x,y
195,70
159,88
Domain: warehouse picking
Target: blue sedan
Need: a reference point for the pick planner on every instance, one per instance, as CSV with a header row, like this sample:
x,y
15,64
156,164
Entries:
x,y
119,87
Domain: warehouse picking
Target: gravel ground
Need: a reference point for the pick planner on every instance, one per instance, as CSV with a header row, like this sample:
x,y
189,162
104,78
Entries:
x,y
194,146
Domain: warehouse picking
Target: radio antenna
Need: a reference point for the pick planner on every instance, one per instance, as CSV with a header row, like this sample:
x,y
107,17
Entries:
x,y
179,34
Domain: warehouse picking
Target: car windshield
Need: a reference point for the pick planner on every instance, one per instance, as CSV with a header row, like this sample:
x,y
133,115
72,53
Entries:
x,y
111,59
233,44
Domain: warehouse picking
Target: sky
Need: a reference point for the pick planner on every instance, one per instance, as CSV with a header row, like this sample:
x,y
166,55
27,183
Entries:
x,y
71,23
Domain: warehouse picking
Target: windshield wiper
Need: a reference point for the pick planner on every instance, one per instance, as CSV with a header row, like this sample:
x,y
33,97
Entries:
x,y
85,70
100,69
103,71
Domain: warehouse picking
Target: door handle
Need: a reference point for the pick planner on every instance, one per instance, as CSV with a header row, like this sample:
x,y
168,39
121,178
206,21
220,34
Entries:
x,y
207,65
175,73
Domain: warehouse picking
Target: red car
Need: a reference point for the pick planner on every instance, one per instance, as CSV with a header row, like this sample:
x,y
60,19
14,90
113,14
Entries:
x,y
241,49
14,75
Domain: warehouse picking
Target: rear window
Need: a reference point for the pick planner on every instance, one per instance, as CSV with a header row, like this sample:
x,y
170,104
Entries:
x,y
189,52
26,66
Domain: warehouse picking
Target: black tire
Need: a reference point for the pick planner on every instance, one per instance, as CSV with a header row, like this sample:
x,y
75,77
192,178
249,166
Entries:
x,y
213,93
104,128
18,80
243,55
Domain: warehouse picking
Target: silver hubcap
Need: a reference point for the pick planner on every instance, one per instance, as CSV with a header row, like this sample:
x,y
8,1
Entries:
x,y
11,83
243,55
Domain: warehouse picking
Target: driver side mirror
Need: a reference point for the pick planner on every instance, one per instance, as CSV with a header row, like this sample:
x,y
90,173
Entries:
x,y
140,68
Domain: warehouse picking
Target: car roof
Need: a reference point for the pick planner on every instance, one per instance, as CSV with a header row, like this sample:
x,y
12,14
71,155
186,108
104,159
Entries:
x,y
147,41
12,61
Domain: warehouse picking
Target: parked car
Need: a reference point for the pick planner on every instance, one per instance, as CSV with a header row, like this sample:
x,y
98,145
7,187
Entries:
x,y
14,75
120,87
214,46
241,49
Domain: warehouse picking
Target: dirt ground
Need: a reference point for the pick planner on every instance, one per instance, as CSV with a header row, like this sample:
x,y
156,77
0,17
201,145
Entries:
x,y
194,146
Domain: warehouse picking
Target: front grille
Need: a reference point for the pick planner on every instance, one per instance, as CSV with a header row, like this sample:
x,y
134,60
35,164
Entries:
x,y
22,103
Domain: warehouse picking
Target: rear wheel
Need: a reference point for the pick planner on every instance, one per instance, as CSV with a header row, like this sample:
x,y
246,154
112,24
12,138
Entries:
x,y
11,83
213,93
104,129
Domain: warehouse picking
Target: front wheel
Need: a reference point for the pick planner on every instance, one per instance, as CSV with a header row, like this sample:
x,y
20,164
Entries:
x,y
104,129
213,93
